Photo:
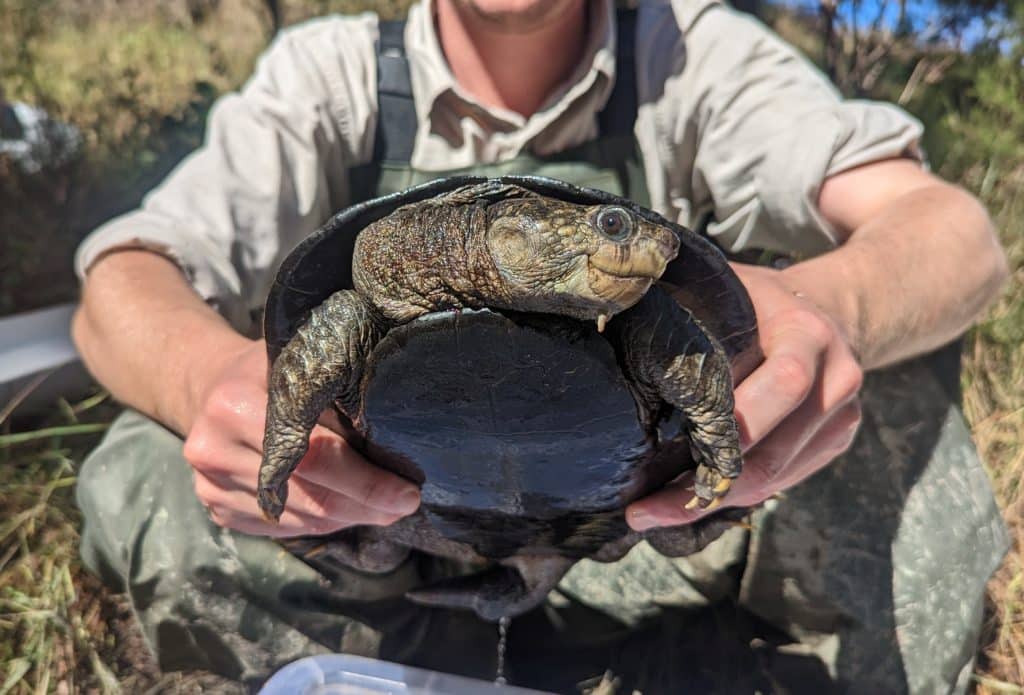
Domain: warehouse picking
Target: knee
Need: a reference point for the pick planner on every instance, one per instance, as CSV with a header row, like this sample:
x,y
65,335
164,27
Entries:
x,y
115,492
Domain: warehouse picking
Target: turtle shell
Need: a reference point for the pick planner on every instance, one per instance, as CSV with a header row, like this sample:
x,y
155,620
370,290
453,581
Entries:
x,y
520,428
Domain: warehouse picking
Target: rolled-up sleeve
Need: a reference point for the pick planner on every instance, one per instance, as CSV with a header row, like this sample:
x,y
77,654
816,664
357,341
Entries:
x,y
273,166
768,129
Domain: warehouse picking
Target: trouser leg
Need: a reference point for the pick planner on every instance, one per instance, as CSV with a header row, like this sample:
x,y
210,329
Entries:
x,y
241,606
869,577
873,572
207,597
879,563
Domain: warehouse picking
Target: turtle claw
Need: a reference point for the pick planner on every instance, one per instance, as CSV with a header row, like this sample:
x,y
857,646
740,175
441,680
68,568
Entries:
x,y
709,487
271,504
713,504
706,505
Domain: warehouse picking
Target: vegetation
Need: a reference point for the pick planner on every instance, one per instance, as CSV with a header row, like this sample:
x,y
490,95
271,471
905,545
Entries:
x,y
136,78
959,66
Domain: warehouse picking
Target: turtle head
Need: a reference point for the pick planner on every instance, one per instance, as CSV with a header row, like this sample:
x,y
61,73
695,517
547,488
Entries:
x,y
584,261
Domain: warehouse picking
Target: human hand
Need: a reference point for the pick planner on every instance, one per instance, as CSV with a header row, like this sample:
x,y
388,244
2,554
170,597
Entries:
x,y
333,487
796,411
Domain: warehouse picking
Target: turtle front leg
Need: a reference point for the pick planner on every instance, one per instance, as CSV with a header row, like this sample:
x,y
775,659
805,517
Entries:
x,y
671,358
321,364
714,434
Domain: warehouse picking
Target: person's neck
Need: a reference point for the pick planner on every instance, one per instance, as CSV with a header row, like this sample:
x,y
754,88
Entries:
x,y
511,68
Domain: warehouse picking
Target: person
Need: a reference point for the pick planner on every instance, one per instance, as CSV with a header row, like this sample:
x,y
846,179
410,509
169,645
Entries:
x,y
868,576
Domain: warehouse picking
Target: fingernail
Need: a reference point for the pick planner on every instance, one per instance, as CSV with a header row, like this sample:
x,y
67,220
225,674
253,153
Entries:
x,y
407,501
640,520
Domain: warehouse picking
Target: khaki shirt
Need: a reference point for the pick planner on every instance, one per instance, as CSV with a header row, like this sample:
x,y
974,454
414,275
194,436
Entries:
x,y
731,121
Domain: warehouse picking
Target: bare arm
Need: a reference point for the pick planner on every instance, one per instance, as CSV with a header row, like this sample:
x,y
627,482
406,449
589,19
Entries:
x,y
159,348
145,335
919,262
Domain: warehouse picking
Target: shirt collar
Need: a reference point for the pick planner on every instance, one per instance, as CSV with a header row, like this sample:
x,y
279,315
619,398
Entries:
x,y
432,78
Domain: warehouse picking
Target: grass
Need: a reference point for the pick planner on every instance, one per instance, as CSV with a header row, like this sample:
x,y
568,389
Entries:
x,y
137,84
60,631
56,626
994,405
137,81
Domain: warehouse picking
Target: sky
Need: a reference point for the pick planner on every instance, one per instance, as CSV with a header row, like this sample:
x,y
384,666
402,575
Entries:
x,y
921,14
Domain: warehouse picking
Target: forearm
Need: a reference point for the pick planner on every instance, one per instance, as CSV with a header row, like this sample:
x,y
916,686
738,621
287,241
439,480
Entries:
x,y
159,348
918,263
149,338
910,278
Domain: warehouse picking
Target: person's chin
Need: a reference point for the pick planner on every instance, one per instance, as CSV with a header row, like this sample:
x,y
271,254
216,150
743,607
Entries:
x,y
516,15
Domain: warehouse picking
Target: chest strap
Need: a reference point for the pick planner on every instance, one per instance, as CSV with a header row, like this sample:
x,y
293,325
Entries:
x,y
396,110
396,115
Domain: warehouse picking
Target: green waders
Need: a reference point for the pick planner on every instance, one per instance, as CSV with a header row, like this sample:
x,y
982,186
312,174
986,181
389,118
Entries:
x,y
869,577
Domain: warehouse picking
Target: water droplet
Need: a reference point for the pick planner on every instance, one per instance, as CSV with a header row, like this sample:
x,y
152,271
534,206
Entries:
x,y
503,622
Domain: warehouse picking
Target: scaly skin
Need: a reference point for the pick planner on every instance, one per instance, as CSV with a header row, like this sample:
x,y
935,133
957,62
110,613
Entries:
x,y
320,365
670,358
498,246
503,247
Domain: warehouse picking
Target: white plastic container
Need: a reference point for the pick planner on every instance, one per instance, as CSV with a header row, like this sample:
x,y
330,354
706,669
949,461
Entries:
x,y
37,355
343,674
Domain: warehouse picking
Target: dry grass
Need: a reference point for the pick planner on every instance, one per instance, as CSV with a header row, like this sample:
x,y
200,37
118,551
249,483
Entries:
x,y
137,80
994,404
57,629
60,630
137,83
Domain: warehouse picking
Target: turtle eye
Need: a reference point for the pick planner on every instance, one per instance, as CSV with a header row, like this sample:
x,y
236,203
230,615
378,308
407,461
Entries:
x,y
614,223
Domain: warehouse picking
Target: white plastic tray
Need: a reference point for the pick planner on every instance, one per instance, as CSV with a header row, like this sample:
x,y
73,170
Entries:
x,y
343,674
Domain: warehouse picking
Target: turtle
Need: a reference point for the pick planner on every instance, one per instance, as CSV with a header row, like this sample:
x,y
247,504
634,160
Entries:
x,y
534,354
